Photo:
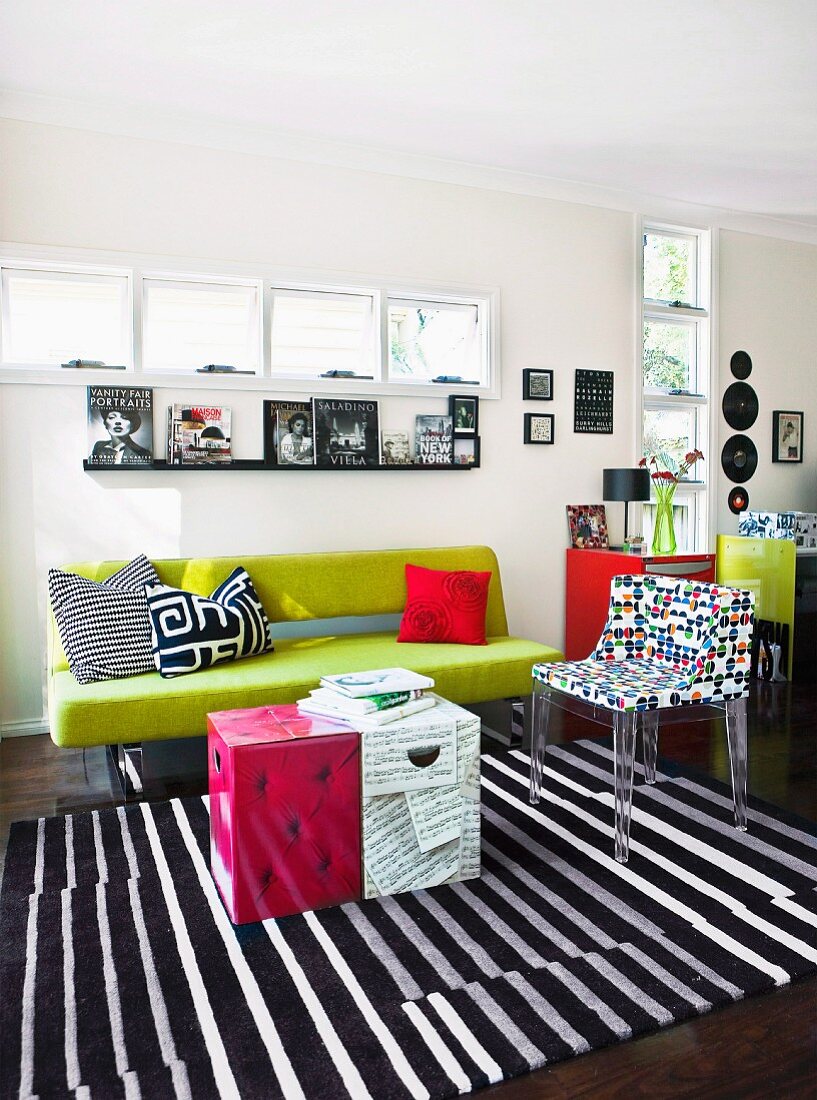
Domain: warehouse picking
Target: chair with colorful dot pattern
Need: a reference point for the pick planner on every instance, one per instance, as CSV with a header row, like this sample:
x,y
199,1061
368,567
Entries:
x,y
667,643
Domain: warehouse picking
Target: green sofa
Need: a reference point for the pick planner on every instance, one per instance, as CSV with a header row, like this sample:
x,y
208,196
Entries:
x,y
295,589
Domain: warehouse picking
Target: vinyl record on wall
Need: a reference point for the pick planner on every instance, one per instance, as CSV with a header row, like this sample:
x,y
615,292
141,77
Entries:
x,y
741,364
738,500
740,406
739,458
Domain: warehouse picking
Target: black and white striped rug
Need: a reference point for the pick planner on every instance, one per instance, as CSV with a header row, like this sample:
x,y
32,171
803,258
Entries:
x,y
122,976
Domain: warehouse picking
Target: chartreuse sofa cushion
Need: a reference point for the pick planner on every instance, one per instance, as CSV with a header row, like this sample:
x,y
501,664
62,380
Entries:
x,y
292,588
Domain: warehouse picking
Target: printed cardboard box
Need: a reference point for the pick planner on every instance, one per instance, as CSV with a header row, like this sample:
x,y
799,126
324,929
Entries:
x,y
421,810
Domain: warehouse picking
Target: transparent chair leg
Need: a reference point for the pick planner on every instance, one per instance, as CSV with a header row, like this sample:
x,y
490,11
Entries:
x,y
736,736
624,727
649,738
538,738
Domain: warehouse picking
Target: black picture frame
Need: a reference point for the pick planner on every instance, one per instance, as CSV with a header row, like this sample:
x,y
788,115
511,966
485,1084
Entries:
x,y
593,402
787,436
536,432
537,385
464,412
472,442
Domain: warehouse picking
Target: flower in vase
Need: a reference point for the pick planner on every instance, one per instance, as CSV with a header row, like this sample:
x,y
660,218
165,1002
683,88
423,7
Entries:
x,y
662,474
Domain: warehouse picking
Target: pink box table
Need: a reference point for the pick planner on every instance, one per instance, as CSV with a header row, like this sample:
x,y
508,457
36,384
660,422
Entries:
x,y
284,811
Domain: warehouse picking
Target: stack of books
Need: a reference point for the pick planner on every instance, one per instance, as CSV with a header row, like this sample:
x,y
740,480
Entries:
x,y
369,700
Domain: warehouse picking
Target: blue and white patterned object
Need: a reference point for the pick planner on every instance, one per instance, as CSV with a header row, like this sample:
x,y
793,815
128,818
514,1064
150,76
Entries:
x,y
190,632
666,642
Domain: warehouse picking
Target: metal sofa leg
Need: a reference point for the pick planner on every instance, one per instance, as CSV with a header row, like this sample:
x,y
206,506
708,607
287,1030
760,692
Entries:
x,y
127,765
512,738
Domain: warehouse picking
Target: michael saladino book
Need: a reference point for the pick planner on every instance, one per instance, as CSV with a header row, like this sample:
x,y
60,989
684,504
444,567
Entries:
x,y
394,448
203,435
120,426
346,433
434,440
280,413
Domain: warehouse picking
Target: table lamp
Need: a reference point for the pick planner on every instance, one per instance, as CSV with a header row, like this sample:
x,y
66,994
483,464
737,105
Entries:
x,y
632,483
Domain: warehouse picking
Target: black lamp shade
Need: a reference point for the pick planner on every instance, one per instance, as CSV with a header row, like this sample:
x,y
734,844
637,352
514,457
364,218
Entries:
x,y
630,484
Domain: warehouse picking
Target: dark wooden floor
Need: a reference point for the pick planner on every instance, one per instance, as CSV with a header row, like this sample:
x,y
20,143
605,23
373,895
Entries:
x,y
764,1047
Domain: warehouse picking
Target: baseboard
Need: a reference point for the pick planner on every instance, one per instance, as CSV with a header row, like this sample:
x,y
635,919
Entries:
x,y
23,729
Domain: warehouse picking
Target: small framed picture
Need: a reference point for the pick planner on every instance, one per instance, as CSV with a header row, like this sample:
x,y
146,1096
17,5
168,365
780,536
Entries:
x,y
787,436
588,526
537,385
539,427
466,450
465,413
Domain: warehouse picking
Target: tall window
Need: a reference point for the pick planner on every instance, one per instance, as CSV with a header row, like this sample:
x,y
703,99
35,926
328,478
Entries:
x,y
675,357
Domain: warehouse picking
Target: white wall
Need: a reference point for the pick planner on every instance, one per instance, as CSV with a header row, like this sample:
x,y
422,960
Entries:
x,y
566,274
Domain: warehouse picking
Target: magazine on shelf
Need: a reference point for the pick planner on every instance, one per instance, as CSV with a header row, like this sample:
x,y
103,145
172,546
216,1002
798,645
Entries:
x,y
434,440
366,704
346,433
120,426
377,681
198,435
277,418
395,449
374,720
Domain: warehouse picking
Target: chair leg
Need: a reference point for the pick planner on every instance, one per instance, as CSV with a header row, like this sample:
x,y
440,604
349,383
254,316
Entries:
x,y
649,738
736,737
538,738
624,727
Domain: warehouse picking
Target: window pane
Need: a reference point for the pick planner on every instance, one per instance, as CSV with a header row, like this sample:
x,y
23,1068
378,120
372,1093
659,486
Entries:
x,y
55,316
188,325
429,339
313,333
670,432
670,356
670,268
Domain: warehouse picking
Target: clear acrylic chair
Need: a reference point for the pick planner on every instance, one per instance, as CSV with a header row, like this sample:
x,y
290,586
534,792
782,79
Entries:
x,y
670,650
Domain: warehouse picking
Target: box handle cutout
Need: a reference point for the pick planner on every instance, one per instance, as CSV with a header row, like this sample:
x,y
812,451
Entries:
x,y
424,758
216,760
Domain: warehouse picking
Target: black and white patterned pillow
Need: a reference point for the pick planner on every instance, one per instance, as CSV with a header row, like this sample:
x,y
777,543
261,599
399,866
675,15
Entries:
x,y
104,627
191,632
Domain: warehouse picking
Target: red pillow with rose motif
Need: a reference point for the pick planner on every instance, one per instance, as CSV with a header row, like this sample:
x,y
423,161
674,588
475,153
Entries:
x,y
444,607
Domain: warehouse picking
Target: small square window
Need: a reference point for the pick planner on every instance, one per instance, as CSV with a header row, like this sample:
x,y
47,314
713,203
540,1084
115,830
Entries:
x,y
429,339
314,332
671,268
51,317
188,325
670,355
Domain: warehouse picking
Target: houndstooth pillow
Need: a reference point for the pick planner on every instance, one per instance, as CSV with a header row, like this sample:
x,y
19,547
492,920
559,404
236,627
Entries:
x,y
104,627
192,632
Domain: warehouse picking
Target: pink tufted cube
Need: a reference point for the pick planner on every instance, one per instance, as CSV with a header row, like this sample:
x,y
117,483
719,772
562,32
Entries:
x,y
284,811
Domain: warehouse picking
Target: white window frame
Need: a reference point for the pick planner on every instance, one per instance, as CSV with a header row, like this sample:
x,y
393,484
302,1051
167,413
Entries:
x,y
697,492
335,294
81,272
182,269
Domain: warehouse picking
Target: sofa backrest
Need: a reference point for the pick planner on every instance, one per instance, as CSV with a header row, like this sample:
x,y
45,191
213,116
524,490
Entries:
x,y
300,587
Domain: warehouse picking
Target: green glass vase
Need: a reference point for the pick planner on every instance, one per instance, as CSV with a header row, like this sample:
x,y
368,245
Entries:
x,y
663,534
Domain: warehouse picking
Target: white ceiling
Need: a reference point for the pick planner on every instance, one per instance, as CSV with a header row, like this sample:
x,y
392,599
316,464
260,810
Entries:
x,y
705,101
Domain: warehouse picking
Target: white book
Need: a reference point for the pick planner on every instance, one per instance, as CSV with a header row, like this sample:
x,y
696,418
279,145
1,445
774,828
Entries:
x,y
377,681
367,721
366,704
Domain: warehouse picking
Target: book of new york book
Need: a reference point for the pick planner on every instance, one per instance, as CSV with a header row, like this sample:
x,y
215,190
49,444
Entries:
x,y
198,435
377,681
120,426
282,419
346,433
434,440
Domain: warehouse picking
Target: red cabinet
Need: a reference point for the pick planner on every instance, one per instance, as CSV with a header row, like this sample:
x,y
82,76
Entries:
x,y
587,588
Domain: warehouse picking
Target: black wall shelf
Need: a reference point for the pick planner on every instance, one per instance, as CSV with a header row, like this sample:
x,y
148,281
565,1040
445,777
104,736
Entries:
x,y
260,464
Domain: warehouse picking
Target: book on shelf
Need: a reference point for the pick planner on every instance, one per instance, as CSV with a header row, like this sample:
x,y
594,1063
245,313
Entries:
x,y
379,681
434,440
374,720
346,433
395,449
288,438
364,704
198,435
120,426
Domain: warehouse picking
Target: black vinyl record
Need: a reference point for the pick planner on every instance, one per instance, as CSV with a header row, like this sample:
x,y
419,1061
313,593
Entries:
x,y
741,364
740,406
739,458
738,500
